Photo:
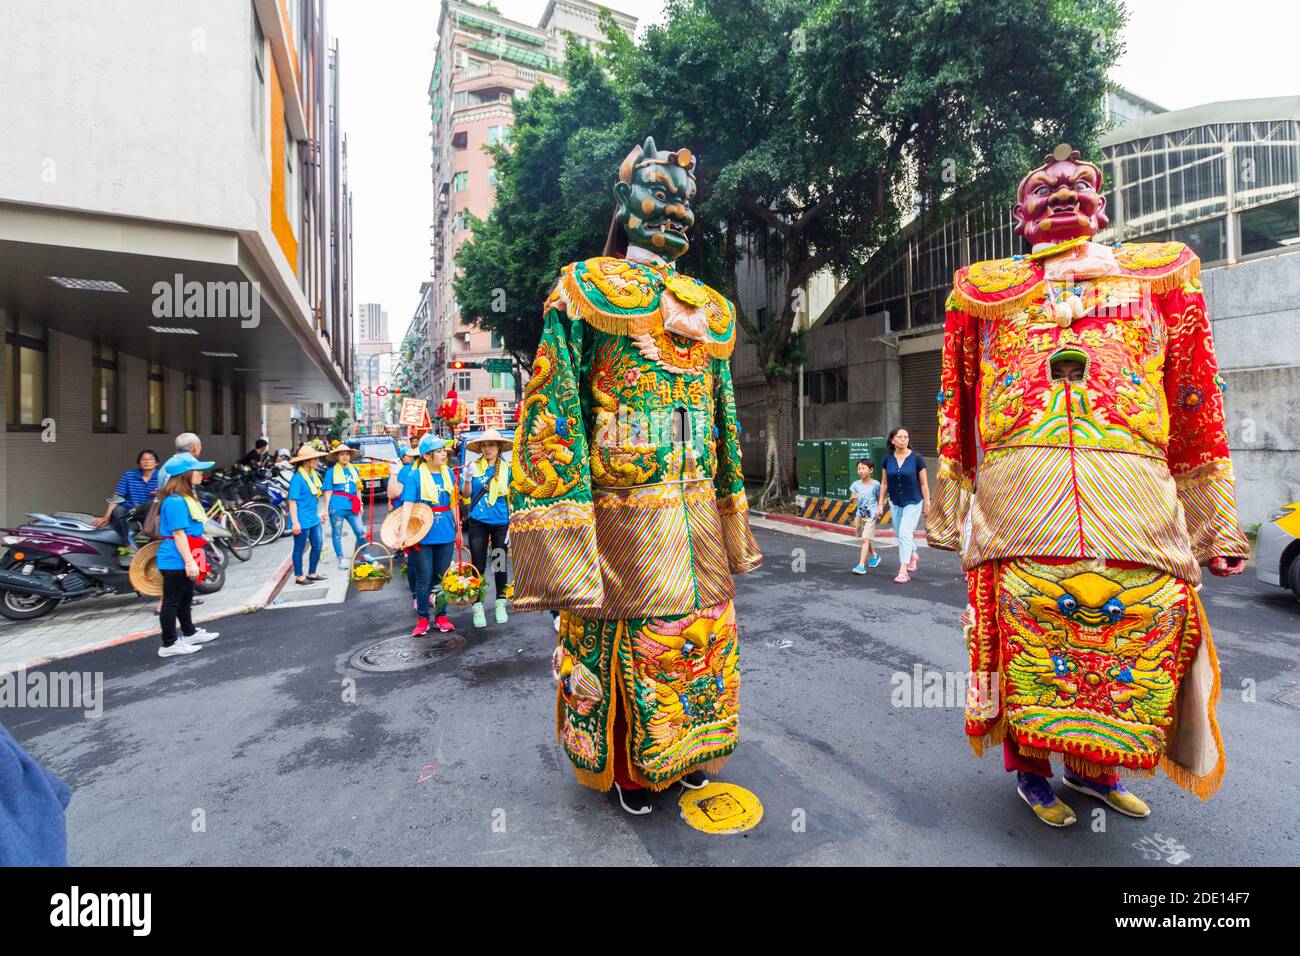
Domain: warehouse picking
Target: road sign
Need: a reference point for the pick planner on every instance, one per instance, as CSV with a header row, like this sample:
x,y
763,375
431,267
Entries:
x,y
498,365
381,390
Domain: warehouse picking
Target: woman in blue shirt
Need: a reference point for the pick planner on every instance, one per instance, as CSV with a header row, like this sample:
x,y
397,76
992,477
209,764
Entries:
x,y
430,482
485,483
180,525
304,512
343,501
903,480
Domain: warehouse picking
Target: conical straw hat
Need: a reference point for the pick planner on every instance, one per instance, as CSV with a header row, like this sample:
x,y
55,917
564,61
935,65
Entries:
x,y
144,573
420,525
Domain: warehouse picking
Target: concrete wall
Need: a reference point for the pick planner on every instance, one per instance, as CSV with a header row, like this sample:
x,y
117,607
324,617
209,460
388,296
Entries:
x,y
1255,310
123,107
80,468
873,406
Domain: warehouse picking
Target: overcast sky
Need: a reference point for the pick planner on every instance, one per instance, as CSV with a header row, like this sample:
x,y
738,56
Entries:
x,y
1180,53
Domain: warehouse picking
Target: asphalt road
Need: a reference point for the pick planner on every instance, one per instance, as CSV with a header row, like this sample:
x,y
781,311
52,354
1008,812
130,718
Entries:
x,y
249,753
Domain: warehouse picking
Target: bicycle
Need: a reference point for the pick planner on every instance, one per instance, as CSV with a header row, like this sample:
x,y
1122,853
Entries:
x,y
245,527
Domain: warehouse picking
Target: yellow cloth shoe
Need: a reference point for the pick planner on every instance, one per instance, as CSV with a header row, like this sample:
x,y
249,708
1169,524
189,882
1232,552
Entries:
x,y
1113,795
1037,792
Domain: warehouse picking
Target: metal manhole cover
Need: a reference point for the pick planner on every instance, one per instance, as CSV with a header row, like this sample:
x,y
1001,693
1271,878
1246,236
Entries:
x,y
405,652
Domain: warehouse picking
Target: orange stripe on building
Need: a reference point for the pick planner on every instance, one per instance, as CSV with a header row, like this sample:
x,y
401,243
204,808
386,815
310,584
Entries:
x,y
280,224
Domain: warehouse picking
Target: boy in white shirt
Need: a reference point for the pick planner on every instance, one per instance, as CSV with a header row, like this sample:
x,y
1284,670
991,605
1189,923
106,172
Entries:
x,y
866,492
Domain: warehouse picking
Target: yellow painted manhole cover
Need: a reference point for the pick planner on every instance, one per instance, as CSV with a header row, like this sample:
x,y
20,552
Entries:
x,y
721,808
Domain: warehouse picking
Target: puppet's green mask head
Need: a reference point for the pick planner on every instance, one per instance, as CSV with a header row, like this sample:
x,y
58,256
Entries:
x,y
654,193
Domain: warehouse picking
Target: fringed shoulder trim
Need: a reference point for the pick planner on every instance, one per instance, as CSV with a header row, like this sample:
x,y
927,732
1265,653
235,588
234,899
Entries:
x,y
998,287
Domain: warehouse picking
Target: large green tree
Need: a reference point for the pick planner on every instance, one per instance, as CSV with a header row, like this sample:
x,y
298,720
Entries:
x,y
818,124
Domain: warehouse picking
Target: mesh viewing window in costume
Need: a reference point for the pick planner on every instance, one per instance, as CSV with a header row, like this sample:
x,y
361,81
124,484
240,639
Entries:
x,y
628,512
1086,376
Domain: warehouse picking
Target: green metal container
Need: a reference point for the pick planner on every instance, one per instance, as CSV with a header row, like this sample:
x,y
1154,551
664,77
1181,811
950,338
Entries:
x,y
811,469
836,457
841,459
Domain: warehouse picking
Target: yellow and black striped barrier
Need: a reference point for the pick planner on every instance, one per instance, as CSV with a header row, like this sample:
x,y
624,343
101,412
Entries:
x,y
835,511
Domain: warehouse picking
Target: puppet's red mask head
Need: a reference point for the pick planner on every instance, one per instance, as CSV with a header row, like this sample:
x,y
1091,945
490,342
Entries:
x,y
1060,200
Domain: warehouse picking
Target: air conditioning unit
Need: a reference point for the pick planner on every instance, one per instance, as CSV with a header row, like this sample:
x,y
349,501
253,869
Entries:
x,y
504,98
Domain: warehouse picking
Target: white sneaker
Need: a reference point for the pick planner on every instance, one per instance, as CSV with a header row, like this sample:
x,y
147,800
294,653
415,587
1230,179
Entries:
x,y
180,647
201,636
344,564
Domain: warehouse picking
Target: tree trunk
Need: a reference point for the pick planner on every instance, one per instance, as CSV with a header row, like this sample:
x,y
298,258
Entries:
x,y
774,484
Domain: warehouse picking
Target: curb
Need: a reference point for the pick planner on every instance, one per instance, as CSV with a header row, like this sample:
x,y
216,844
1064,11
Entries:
x,y
885,534
260,600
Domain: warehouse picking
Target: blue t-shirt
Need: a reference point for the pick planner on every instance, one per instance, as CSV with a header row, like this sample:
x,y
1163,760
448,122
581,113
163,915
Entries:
x,y
904,480
134,489
308,503
444,522
173,516
498,513
867,494
32,800
351,483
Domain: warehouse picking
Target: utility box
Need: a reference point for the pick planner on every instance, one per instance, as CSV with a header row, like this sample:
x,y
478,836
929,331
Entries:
x,y
840,461
811,468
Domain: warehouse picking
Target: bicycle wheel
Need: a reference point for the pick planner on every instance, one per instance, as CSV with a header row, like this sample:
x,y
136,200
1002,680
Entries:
x,y
252,524
272,521
238,544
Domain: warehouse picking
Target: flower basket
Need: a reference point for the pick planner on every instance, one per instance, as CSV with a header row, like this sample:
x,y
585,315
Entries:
x,y
462,583
370,573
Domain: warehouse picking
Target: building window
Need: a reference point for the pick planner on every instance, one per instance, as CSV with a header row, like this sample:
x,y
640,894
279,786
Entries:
x,y
1270,228
460,182
498,134
237,412
291,191
460,140
460,221
157,398
504,380
26,368
105,388
462,381
826,387
191,404
259,82
218,419
492,176
497,341
1209,240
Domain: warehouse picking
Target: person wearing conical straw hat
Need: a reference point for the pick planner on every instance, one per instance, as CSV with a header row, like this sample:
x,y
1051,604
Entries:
x,y
429,481
343,500
304,512
485,483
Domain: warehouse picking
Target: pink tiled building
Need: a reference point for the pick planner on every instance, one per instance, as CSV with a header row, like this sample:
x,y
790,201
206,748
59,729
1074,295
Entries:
x,y
484,63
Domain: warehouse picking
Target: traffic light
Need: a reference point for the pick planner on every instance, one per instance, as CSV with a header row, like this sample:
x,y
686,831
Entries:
x,y
459,364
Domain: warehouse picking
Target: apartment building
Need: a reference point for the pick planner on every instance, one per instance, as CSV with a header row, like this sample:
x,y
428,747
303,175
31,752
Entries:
x,y
375,361
485,63
175,236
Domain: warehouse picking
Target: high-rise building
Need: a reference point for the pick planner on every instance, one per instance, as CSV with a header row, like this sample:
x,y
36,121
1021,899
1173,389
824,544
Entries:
x,y
485,62
175,233
375,363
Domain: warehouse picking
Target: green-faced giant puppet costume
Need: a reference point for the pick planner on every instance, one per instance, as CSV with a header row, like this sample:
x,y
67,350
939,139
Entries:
x,y
628,507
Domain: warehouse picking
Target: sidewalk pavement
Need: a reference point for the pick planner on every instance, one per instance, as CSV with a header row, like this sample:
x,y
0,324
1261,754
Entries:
x,y
94,623
826,530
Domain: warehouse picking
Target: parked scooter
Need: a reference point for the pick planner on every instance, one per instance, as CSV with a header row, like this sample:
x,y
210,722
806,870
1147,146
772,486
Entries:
x,y
64,557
